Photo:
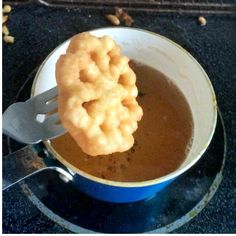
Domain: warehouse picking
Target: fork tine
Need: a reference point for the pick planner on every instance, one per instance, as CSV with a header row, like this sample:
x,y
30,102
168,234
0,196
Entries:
x,y
45,96
52,127
52,119
39,102
50,107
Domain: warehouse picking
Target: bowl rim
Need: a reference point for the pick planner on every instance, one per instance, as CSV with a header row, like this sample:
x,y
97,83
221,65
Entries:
x,y
74,170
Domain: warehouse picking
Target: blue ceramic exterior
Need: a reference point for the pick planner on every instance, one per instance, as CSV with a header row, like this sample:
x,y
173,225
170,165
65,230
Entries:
x,y
117,194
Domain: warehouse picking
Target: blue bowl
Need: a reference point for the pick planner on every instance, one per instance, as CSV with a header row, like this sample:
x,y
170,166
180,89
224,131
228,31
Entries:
x,y
117,194
179,66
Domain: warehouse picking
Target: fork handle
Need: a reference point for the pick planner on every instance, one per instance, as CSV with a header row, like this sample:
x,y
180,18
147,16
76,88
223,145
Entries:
x,y
20,165
23,164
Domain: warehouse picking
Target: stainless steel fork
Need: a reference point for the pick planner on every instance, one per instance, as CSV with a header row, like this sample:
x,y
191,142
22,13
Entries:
x,y
34,120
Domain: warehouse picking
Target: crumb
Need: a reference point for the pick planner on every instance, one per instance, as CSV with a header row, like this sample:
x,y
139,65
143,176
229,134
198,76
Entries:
x,y
140,94
132,149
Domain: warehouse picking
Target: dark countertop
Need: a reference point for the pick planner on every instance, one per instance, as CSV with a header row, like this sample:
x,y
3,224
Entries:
x,y
39,29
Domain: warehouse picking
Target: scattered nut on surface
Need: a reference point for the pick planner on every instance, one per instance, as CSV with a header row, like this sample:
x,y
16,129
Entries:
x,y
128,20
113,19
6,9
124,16
202,20
4,19
5,30
8,39
118,11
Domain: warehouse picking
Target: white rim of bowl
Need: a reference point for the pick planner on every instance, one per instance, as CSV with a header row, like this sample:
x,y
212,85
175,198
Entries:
x,y
159,180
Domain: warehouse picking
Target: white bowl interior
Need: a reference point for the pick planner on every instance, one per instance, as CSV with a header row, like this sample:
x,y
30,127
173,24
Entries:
x,y
173,61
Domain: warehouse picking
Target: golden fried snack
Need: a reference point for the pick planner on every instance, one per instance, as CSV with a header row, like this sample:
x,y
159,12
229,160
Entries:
x,y
97,95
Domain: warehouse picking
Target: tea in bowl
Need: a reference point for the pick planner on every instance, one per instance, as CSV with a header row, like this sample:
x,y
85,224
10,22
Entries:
x,y
179,119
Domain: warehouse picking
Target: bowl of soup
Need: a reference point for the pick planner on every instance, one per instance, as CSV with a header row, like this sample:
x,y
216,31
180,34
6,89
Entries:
x,y
179,120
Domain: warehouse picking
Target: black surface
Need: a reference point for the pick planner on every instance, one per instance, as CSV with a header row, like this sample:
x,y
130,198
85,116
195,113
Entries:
x,y
39,29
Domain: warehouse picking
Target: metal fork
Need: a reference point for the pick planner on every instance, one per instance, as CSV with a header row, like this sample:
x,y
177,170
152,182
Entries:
x,y
21,121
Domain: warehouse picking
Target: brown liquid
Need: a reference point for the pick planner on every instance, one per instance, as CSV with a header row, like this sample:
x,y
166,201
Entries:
x,y
162,139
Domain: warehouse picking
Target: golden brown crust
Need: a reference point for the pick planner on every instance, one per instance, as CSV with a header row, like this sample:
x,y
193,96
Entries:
x,y
97,95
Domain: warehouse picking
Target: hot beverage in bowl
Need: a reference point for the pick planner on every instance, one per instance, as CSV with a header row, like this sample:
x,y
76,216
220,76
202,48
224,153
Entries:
x,y
162,140
157,124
